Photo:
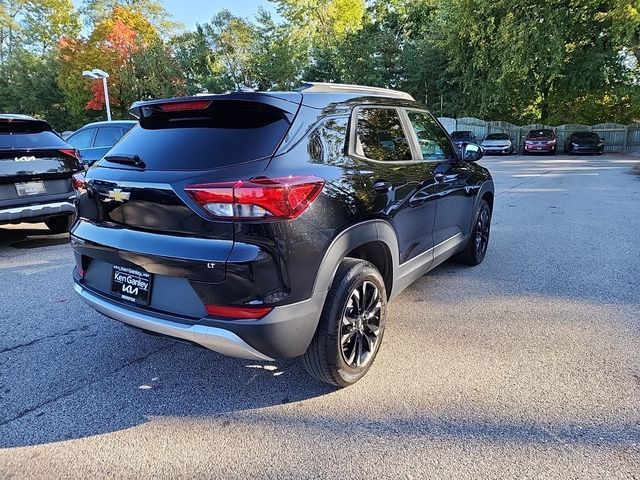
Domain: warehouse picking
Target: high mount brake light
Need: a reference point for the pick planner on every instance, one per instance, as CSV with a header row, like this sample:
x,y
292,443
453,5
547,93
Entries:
x,y
282,198
184,106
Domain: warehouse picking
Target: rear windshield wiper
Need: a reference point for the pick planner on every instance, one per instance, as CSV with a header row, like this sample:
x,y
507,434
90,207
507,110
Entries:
x,y
134,160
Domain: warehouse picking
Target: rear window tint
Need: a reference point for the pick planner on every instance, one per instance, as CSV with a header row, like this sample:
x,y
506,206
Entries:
x,y
225,134
18,140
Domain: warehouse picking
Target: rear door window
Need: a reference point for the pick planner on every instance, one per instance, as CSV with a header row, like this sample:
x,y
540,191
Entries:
x,y
380,136
107,136
227,133
82,139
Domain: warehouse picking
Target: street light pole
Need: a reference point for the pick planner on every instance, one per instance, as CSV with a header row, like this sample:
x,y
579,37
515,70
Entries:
x,y
96,74
106,97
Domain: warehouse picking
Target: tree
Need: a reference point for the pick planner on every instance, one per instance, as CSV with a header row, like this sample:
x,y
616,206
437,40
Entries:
x,y
28,85
511,59
46,21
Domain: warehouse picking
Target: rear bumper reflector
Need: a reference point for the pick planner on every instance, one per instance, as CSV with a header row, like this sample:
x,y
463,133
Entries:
x,y
245,312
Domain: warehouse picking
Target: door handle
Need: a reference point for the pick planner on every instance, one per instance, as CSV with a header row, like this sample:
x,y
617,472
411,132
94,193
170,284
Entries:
x,y
382,186
439,177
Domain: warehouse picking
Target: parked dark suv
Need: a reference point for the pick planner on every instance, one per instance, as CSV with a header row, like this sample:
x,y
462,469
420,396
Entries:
x,y
36,168
277,224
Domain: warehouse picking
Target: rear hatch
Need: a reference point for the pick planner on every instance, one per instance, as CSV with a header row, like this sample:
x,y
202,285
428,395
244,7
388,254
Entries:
x,y
36,165
135,210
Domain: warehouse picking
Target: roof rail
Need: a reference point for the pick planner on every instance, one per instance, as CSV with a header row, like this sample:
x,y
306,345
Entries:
x,y
320,87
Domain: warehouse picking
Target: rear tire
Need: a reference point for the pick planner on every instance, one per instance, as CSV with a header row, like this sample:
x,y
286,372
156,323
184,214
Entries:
x,y
59,223
351,326
476,248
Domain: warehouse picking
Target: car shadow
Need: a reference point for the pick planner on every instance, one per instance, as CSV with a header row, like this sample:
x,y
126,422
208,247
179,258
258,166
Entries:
x,y
151,377
28,238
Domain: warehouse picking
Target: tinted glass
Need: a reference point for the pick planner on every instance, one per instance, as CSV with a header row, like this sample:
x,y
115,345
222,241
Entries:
x,y
228,133
16,140
464,136
380,135
585,136
540,133
497,136
82,139
107,136
434,144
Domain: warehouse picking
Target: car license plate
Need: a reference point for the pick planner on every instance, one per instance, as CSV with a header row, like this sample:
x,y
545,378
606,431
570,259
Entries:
x,y
131,284
30,188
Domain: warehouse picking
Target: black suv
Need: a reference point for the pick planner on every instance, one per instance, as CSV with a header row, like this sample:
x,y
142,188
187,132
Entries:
x,y
36,169
265,225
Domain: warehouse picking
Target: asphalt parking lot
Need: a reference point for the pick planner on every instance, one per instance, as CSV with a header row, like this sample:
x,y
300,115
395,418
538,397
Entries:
x,y
527,366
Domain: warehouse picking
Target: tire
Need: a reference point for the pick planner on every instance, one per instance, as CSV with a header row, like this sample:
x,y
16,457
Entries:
x,y
329,359
473,253
59,224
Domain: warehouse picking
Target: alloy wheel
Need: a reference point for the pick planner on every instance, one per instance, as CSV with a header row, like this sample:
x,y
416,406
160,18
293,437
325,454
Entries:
x,y
360,326
482,232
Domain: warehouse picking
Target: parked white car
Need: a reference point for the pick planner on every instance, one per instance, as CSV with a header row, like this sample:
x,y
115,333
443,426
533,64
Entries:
x,y
498,143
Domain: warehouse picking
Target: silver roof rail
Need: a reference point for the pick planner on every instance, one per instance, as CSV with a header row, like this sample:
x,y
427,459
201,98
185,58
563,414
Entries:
x,y
320,87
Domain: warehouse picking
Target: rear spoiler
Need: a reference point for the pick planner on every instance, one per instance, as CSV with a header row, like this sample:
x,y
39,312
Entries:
x,y
287,102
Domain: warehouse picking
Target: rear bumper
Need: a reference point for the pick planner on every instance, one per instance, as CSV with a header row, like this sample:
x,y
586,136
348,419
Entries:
x,y
285,332
30,212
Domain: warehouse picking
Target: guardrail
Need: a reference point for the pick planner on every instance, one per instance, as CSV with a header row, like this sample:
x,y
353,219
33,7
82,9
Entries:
x,y
616,137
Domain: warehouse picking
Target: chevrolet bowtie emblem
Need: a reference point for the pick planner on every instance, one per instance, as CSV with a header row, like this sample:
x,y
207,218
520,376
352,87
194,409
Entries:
x,y
118,195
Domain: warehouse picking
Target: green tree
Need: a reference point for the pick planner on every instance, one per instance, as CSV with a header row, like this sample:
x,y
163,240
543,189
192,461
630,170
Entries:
x,y
28,84
46,21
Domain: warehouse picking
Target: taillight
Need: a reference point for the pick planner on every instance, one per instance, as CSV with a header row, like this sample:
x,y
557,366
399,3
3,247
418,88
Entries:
x,y
245,312
71,151
282,198
78,182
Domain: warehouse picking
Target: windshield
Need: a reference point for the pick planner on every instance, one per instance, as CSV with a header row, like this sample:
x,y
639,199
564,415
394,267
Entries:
x,y
585,136
540,133
497,136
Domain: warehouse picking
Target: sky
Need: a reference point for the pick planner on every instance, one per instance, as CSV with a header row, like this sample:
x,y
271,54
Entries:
x,y
190,12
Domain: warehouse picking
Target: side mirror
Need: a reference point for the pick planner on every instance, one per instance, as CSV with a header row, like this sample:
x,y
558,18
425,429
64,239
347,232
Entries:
x,y
472,152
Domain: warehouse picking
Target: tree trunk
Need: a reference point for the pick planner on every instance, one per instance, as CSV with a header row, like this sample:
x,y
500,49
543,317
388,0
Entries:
x,y
544,105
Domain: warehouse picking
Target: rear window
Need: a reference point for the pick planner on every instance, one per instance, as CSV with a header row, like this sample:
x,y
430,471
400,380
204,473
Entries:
x,y
227,133
24,137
